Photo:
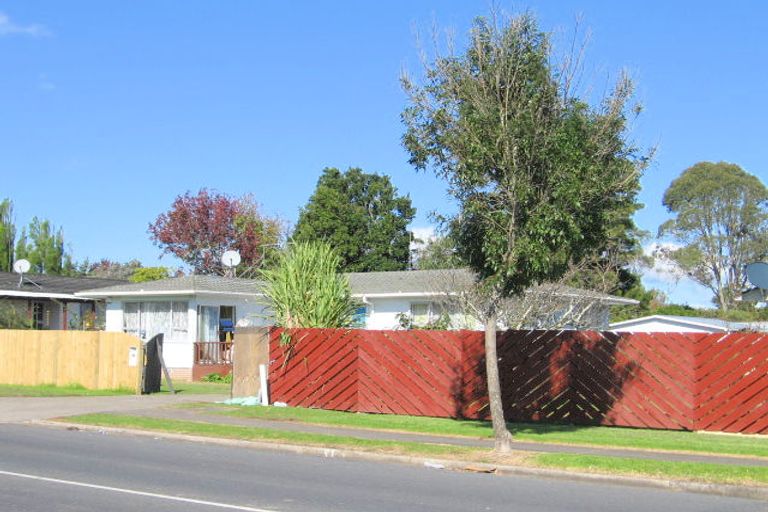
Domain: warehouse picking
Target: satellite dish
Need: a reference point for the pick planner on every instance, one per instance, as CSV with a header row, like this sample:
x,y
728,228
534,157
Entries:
x,y
230,259
757,273
21,266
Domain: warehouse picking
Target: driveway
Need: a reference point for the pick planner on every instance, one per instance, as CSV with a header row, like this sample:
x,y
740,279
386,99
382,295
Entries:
x,y
21,409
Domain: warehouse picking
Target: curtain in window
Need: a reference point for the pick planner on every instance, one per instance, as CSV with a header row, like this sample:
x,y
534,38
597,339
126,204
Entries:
x,y
208,323
131,318
156,319
180,318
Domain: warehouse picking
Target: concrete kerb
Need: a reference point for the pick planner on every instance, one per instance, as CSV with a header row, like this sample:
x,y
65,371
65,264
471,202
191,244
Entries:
x,y
728,490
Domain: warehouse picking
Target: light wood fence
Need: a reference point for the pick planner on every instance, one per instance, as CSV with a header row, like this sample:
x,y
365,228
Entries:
x,y
92,359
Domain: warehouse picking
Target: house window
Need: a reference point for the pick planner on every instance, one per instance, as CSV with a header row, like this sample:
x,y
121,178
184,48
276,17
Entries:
x,y
146,319
215,322
420,313
179,320
38,315
226,322
426,313
360,316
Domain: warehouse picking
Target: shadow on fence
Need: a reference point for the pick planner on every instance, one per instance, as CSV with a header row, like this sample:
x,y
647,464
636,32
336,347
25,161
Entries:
x,y
647,380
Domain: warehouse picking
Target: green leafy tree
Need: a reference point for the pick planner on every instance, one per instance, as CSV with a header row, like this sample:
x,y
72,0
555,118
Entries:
x,y
7,235
108,269
721,220
43,245
305,289
361,216
199,228
144,274
438,253
536,172
12,318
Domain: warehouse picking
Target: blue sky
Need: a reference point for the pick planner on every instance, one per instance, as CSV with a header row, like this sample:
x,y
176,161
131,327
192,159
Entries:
x,y
108,110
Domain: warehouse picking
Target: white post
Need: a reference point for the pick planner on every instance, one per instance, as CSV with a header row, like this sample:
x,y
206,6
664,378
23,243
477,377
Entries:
x,y
263,384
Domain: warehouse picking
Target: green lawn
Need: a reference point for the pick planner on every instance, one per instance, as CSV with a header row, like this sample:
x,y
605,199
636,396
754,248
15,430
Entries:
x,y
695,471
716,473
188,388
51,390
263,434
568,434
194,388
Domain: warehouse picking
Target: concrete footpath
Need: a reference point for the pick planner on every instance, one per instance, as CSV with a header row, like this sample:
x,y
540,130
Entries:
x,y
21,409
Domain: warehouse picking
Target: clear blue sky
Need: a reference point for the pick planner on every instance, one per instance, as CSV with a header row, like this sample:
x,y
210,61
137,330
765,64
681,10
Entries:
x,y
108,110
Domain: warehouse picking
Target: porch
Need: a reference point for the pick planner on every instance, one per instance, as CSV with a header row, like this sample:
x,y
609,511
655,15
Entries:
x,y
212,357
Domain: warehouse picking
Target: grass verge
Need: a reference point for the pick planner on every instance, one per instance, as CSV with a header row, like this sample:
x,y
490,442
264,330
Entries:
x,y
700,472
52,390
692,471
197,388
271,435
614,437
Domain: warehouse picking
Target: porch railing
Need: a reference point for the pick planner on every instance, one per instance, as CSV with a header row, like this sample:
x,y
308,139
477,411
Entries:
x,y
213,352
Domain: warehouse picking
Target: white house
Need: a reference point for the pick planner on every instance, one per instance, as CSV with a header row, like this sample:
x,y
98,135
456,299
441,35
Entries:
x,y
672,323
194,309
185,309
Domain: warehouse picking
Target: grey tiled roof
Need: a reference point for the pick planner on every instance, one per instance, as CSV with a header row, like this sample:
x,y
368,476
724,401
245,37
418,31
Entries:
x,y
42,284
189,284
362,283
409,281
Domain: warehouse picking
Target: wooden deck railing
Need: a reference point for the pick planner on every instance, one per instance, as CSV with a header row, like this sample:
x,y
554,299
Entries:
x,y
213,352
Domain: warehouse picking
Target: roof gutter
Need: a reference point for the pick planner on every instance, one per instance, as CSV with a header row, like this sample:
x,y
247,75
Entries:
x,y
163,293
395,295
42,295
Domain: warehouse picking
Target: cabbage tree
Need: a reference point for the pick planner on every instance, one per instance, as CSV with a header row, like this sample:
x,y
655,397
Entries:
x,y
305,289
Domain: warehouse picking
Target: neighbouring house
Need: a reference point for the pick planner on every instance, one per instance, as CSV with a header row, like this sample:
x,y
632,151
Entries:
x,y
672,323
420,296
197,314
49,302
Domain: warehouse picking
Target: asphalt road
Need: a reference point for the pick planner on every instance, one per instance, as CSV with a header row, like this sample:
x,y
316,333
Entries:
x,y
47,469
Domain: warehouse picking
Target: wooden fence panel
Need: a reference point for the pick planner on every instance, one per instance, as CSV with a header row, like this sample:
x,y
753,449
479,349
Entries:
x,y
318,368
410,372
732,387
92,359
674,381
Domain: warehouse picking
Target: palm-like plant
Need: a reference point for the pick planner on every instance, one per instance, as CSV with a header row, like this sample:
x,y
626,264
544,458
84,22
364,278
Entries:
x,y
304,288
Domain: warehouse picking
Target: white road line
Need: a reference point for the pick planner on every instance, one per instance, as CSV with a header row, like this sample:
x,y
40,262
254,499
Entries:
x,y
134,492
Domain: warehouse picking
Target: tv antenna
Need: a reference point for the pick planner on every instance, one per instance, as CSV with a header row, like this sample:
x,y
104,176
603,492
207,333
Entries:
x,y
230,259
21,266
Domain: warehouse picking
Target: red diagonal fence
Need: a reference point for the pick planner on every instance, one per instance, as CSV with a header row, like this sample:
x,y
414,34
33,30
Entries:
x,y
715,382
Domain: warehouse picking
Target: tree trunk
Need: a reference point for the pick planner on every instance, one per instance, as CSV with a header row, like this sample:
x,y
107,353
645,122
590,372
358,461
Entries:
x,y
502,436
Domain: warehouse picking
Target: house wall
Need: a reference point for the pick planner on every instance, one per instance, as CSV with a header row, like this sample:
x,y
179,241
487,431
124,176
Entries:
x,y
179,353
383,313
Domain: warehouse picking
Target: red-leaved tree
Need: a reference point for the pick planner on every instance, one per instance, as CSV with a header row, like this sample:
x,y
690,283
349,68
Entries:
x,y
199,228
